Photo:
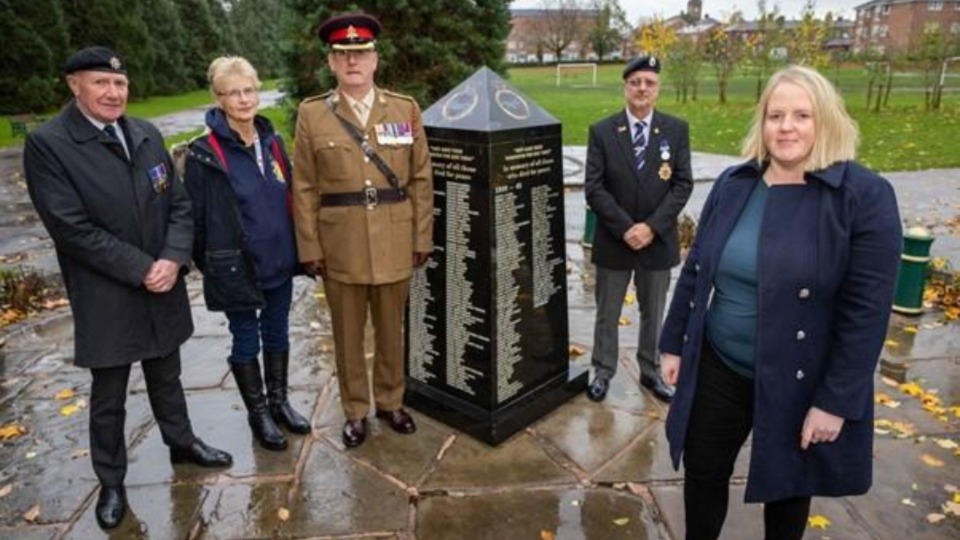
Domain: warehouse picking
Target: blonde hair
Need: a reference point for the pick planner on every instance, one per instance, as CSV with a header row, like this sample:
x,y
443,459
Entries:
x,y
836,133
225,66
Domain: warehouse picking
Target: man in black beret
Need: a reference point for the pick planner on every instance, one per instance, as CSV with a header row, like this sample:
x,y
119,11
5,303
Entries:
x,y
363,150
119,217
638,179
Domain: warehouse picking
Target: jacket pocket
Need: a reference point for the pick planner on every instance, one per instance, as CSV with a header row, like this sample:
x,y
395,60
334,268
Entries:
x,y
229,283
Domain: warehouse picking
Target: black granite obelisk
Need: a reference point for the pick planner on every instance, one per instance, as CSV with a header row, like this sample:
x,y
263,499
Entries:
x,y
487,331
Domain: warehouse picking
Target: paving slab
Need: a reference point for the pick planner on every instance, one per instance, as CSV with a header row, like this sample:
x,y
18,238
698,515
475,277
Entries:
x,y
341,497
244,510
161,511
529,513
31,532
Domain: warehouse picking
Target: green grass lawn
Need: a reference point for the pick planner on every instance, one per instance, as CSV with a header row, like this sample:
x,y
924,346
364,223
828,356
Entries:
x,y
901,136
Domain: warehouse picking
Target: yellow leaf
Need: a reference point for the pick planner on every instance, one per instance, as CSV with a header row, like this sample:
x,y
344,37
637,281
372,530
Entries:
x,y
548,535
32,514
931,461
935,518
956,497
910,329
818,521
912,389
69,410
6,490
620,522
955,410
66,393
630,299
891,343
885,400
11,431
951,507
283,514
624,321
889,382
907,502
576,350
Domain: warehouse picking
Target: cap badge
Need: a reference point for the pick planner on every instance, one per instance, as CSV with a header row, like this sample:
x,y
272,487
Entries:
x,y
653,61
352,32
115,62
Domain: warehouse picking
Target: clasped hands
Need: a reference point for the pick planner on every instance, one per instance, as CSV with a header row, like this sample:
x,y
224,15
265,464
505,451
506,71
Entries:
x,y
161,276
638,236
818,427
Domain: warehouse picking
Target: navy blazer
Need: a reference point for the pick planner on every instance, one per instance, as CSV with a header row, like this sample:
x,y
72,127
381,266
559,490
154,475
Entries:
x,y
827,265
621,195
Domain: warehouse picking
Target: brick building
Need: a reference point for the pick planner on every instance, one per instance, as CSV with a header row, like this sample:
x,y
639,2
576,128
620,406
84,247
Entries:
x,y
532,31
891,26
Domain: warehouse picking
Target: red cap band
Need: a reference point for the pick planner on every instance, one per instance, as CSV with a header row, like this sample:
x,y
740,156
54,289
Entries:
x,y
351,33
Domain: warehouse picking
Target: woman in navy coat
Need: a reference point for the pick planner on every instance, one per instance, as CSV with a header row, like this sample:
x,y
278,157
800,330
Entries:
x,y
780,313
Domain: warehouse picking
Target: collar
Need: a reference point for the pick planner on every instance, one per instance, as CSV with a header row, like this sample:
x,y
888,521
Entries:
x,y
632,120
366,101
831,176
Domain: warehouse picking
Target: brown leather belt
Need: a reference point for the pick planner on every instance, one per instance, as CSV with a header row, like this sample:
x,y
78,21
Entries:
x,y
369,197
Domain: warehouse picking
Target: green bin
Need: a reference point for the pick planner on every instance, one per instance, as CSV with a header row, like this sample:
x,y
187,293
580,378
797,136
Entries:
x,y
908,298
589,229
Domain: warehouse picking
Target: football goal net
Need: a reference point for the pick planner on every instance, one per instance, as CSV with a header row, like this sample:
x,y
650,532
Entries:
x,y
583,74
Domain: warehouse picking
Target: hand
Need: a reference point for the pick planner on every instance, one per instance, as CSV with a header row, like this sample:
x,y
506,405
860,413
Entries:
x,y
820,427
420,258
316,268
639,236
162,276
670,368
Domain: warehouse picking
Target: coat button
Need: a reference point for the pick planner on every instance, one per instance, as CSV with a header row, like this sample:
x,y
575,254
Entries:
x,y
801,335
804,293
685,338
696,267
692,304
330,144
366,159
800,374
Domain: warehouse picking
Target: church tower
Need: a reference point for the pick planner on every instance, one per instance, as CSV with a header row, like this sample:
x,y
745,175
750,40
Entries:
x,y
694,10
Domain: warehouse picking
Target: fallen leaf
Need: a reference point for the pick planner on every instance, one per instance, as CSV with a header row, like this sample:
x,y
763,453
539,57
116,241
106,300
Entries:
x,y
946,444
931,461
30,455
6,490
79,453
885,400
950,488
630,299
889,382
951,507
548,535
32,514
575,502
907,502
620,522
66,393
891,343
818,521
935,518
12,431
283,514
576,350
912,389
910,329
624,321
69,410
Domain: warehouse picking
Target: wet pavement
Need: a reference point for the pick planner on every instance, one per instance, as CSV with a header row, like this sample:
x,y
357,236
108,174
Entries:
x,y
189,120
585,471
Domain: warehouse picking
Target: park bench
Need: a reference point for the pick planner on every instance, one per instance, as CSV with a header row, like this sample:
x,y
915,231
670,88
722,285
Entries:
x,y
21,124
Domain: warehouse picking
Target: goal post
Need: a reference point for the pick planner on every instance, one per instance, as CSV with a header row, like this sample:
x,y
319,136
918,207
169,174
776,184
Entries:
x,y
583,66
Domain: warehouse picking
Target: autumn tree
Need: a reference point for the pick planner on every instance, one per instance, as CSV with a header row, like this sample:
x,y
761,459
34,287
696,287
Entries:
x,y
559,26
724,54
683,63
806,44
610,25
763,46
927,56
656,38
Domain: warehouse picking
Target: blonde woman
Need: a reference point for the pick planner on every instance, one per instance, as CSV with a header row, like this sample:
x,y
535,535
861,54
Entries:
x,y
780,314
238,178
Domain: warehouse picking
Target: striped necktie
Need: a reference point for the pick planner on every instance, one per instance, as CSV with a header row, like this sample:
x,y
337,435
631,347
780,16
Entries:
x,y
639,143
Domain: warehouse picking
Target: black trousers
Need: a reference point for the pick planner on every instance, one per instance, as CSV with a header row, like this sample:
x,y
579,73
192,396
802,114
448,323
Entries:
x,y
720,422
108,397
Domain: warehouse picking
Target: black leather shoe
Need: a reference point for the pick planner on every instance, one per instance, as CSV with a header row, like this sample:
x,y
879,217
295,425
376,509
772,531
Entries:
x,y
111,506
354,432
662,390
399,420
199,453
597,390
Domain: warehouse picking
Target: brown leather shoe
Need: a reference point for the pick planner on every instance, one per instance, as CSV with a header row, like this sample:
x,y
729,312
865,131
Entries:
x,y
399,420
354,432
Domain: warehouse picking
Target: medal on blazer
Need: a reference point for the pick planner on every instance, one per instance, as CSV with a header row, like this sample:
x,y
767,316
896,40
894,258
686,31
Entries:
x,y
158,177
665,170
395,133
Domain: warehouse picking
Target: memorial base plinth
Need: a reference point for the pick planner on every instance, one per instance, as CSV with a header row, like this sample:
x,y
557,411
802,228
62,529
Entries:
x,y
494,427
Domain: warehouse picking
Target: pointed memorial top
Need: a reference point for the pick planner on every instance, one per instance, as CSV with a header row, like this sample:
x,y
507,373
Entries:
x,y
486,102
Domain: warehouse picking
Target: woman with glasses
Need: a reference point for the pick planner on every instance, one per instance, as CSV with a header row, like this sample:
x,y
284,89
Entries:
x,y
238,177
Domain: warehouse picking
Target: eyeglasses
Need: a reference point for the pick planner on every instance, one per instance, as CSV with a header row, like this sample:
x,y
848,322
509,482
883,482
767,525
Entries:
x,y
359,54
639,82
237,93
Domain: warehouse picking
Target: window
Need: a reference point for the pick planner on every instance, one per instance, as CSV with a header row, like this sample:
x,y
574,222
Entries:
x,y
885,9
936,5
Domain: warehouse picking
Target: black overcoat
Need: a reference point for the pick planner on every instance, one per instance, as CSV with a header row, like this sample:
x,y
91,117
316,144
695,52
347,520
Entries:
x,y
110,218
621,195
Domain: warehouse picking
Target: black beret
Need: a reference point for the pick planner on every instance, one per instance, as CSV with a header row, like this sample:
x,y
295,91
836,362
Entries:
x,y
642,63
350,31
95,59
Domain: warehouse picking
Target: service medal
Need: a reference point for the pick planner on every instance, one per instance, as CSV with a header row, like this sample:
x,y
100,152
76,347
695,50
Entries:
x,y
665,172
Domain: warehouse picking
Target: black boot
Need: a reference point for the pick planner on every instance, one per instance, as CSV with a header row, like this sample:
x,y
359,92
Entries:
x,y
275,367
250,384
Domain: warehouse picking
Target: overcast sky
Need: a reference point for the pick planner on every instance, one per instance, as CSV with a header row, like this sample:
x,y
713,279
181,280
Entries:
x,y
720,9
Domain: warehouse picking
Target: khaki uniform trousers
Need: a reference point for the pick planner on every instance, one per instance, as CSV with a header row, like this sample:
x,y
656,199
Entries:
x,y
348,311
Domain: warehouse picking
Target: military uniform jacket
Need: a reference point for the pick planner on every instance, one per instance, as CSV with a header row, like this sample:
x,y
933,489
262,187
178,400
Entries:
x,y
360,245
622,196
110,218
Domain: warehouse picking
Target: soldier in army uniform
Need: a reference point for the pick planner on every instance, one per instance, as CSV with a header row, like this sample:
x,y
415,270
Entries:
x,y
363,206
